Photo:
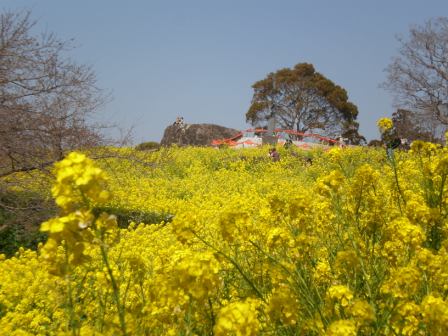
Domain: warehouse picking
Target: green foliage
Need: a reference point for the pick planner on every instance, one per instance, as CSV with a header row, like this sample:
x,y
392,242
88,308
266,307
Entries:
x,y
126,216
304,100
8,241
20,216
375,143
146,146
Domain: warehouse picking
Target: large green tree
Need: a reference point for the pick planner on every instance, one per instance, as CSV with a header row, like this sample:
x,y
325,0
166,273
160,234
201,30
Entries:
x,y
304,100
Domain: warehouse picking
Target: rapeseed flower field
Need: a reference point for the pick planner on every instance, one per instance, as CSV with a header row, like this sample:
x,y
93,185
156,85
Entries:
x,y
355,243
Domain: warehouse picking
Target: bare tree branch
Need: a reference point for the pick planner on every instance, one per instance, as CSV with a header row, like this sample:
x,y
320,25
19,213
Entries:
x,y
418,76
47,101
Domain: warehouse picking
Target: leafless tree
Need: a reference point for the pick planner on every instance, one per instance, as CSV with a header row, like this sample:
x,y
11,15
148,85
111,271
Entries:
x,y
46,99
409,126
418,76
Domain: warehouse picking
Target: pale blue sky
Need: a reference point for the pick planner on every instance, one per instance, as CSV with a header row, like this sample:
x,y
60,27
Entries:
x,y
199,59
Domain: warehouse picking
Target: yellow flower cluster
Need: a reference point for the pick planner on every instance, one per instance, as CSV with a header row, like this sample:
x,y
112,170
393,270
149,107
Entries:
x,y
78,181
238,318
385,124
234,244
341,294
79,185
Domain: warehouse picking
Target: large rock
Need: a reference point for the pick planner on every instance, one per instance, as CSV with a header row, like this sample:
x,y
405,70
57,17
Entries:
x,y
195,134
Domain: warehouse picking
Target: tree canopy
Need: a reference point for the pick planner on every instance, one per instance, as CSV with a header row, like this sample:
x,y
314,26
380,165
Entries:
x,y
304,100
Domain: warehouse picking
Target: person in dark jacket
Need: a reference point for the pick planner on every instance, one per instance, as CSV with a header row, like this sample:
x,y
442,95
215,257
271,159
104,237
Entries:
x,y
274,155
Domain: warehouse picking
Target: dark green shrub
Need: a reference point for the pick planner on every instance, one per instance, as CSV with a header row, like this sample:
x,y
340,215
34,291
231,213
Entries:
x,y
149,145
21,214
375,143
124,216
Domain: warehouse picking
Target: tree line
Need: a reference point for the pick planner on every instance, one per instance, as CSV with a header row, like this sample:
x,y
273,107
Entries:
x,y
302,99
47,99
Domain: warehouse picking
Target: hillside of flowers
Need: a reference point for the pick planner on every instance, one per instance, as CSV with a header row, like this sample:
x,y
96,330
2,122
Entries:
x,y
345,241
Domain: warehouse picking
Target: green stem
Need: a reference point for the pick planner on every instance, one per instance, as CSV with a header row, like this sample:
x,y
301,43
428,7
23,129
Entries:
x,y
116,289
235,264
442,186
302,283
70,305
394,166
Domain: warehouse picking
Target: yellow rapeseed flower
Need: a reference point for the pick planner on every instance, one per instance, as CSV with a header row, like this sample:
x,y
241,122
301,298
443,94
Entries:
x,y
384,124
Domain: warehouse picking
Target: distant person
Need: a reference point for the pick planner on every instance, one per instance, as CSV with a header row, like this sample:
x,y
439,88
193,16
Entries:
x,y
342,142
274,155
179,122
288,144
405,144
308,161
180,125
392,144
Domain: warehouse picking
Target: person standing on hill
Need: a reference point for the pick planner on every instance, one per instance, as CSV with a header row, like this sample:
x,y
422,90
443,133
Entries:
x,y
389,136
274,155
